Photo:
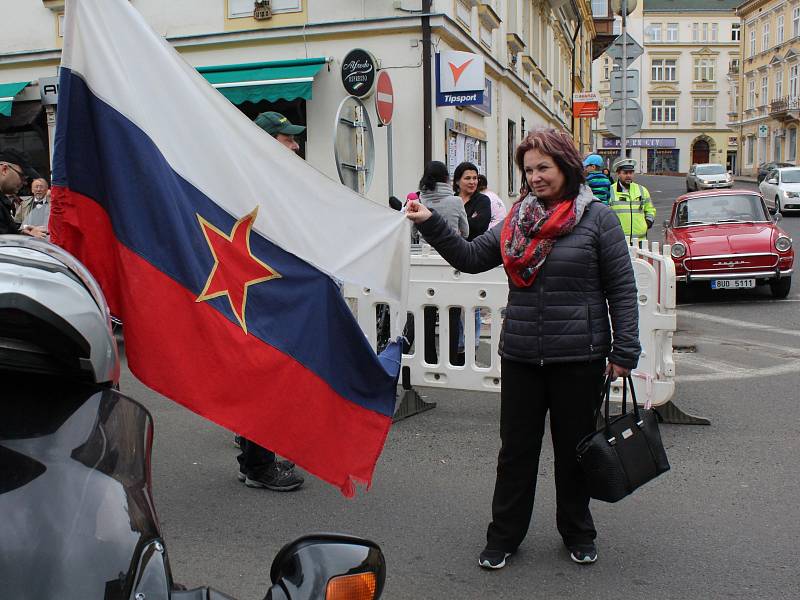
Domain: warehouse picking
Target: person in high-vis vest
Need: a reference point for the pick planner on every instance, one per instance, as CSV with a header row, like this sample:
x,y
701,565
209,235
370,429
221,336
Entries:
x,y
631,201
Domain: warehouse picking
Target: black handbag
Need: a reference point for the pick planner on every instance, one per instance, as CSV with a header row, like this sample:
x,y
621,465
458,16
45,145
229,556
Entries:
x,y
625,453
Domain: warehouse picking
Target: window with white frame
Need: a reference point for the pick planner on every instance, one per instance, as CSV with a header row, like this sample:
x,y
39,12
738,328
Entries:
x,y
734,99
606,68
794,71
792,144
244,8
695,32
464,13
703,110
779,30
486,36
796,21
654,32
705,32
778,85
733,67
751,93
704,69
753,41
764,90
765,37
663,110
663,69
672,32
715,32
736,32
600,8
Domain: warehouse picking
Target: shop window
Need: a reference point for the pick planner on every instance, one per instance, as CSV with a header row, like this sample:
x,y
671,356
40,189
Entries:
x,y
749,146
792,145
244,8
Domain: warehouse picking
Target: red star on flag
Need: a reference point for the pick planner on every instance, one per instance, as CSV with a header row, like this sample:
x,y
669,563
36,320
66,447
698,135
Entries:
x,y
235,268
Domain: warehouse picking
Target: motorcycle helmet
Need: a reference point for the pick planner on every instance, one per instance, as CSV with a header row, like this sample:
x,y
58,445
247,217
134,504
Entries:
x,y
54,318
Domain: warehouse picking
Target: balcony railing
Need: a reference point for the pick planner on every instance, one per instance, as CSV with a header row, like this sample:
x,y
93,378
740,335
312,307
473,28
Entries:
x,y
785,104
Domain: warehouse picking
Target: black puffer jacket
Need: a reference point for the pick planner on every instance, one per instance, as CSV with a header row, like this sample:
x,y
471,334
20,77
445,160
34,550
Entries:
x,y
564,315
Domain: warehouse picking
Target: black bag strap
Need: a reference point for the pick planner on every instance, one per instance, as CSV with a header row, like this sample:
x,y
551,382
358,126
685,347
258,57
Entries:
x,y
628,380
606,397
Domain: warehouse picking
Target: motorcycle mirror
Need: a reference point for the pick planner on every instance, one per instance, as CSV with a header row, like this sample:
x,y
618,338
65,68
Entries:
x,y
345,566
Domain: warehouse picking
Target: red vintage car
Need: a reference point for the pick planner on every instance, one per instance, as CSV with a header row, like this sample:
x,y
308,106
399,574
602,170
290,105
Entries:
x,y
726,240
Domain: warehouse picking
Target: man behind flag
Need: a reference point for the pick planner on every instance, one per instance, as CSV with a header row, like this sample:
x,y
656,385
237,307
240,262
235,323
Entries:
x,y
225,294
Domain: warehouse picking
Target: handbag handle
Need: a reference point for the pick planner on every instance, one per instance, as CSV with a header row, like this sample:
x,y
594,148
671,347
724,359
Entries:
x,y
606,397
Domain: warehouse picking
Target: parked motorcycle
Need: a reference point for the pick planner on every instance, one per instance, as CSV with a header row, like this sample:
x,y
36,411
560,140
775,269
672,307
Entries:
x,y
78,516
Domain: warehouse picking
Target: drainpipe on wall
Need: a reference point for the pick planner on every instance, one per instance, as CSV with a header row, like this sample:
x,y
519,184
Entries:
x,y
572,73
427,100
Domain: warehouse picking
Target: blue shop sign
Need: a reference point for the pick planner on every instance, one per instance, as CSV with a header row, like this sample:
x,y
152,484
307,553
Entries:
x,y
640,142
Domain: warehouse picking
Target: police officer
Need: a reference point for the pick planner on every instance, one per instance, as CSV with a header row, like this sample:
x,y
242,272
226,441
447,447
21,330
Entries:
x,y
631,201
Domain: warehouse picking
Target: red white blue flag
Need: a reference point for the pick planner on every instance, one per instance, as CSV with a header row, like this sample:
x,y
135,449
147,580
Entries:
x,y
216,245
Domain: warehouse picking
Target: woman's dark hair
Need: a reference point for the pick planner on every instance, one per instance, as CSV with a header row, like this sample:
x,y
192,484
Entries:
x,y
435,172
464,166
483,183
559,146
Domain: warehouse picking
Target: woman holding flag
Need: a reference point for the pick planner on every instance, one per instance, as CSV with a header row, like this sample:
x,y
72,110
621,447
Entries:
x,y
568,268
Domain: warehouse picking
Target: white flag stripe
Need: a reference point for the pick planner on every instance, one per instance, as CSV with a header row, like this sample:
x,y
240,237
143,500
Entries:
x,y
383,97
210,143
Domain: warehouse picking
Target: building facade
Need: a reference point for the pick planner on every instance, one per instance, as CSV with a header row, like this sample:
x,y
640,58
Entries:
x,y
536,54
684,85
767,112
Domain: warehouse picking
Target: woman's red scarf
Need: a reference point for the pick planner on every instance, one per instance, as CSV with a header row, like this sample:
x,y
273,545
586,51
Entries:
x,y
529,233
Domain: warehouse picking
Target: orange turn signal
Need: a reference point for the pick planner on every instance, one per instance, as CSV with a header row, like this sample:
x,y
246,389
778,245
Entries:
x,y
360,586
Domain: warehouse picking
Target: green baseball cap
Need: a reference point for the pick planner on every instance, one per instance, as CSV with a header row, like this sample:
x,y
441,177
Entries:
x,y
274,123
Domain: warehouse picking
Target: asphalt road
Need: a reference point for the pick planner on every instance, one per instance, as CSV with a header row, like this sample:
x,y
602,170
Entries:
x,y
723,523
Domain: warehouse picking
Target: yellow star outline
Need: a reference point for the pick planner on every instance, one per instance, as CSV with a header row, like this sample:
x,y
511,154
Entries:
x,y
235,267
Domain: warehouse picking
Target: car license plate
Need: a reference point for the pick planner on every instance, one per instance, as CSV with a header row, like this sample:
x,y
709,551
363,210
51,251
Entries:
x,y
732,284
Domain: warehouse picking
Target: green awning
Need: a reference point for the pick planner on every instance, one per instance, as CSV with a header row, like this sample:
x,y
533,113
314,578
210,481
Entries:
x,y
271,81
7,93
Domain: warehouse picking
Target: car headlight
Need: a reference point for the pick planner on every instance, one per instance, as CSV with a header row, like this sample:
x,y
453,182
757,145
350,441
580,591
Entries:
x,y
792,194
783,243
678,250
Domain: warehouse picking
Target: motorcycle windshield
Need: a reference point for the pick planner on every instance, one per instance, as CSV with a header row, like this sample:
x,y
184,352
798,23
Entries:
x,y
75,493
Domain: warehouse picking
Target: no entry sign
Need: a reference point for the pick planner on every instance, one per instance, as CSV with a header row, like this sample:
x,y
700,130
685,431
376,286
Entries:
x,y
384,98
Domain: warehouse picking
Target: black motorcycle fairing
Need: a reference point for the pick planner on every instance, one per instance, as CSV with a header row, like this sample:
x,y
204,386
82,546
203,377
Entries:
x,y
75,494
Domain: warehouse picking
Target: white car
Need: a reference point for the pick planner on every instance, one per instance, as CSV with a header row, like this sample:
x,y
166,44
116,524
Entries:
x,y
707,176
781,189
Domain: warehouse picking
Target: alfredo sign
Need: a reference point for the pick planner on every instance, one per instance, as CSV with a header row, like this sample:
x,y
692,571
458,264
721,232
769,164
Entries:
x,y
359,69
459,78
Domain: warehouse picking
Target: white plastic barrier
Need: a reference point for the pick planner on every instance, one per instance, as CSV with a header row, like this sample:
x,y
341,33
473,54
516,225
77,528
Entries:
x,y
434,283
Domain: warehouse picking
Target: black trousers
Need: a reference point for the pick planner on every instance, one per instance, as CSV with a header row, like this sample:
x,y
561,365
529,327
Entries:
x,y
571,392
254,457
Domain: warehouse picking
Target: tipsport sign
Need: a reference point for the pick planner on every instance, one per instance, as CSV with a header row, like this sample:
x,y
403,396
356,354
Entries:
x,y
460,78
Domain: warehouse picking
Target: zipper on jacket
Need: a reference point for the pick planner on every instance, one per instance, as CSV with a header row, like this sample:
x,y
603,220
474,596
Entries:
x,y
541,309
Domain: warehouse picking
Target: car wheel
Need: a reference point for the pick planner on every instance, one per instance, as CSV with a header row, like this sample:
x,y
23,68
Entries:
x,y
777,204
780,288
